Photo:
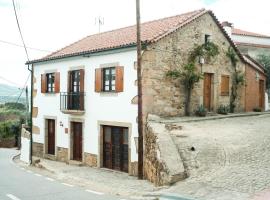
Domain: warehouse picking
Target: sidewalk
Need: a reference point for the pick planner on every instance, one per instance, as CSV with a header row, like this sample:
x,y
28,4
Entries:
x,y
100,180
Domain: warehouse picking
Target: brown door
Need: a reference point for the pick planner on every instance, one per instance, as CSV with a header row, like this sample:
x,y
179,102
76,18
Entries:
x,y
261,94
207,91
115,148
51,136
77,141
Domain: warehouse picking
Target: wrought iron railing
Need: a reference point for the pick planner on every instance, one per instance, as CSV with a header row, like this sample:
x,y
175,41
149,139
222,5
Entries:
x,y
72,101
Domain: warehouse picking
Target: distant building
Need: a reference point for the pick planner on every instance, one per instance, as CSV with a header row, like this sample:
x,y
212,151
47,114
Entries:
x,y
247,42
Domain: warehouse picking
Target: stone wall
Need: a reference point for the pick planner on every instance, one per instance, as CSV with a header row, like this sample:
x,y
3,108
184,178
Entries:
x,y
7,142
62,154
38,149
162,163
166,97
90,159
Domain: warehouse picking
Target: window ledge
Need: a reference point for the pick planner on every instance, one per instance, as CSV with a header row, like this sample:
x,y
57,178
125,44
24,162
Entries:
x,y
73,112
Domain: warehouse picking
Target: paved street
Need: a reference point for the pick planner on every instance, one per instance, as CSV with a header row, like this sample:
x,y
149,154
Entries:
x,y
230,160
19,184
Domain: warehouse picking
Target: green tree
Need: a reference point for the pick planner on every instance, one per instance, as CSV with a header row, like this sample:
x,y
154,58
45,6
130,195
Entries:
x,y
265,61
189,76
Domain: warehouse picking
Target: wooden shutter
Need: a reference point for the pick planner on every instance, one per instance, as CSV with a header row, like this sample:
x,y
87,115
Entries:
x,y
119,79
57,82
81,89
43,83
81,80
225,85
98,80
69,82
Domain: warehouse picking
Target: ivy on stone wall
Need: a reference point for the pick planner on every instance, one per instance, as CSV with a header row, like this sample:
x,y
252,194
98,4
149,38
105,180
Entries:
x,y
238,78
189,74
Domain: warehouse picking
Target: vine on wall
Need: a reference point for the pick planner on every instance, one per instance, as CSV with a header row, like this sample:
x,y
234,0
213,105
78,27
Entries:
x,y
238,78
188,73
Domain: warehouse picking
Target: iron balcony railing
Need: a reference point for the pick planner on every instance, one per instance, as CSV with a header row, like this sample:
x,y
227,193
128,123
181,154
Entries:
x,y
72,101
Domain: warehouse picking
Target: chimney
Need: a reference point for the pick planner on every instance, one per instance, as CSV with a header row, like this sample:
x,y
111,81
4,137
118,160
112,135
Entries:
x,y
228,27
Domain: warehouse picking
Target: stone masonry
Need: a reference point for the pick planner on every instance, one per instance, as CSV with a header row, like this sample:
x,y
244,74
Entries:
x,y
166,97
90,159
162,165
38,149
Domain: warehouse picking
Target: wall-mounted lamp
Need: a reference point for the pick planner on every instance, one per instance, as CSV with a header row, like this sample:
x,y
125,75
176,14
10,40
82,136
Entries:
x,y
201,61
257,76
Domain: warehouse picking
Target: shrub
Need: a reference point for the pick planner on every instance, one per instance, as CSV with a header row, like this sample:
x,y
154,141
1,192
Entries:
x,y
9,129
201,111
14,106
257,109
224,110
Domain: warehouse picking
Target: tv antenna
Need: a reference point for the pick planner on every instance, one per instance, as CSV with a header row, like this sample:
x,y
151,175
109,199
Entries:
x,y
99,21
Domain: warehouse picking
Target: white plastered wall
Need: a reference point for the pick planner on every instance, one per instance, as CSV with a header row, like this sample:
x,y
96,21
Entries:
x,y
114,107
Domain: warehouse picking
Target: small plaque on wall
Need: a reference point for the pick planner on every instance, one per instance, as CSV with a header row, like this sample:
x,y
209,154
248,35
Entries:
x,y
66,130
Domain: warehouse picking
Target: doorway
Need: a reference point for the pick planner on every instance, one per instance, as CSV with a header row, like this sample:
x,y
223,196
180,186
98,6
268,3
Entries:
x,y
115,148
77,141
207,91
51,136
261,94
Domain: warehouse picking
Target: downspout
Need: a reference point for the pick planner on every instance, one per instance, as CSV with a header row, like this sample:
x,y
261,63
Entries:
x,y
31,111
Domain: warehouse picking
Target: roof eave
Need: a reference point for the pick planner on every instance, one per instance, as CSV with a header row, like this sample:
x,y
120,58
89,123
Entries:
x,y
83,53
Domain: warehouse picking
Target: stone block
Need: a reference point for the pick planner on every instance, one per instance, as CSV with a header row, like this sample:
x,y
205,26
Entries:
x,y
90,159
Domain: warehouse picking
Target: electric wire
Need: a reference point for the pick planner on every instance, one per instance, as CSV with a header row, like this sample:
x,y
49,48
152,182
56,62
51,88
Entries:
x,y
18,45
19,28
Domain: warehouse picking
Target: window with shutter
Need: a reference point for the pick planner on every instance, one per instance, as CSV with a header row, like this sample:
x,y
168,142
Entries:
x,y
225,85
57,82
43,83
98,80
119,79
109,79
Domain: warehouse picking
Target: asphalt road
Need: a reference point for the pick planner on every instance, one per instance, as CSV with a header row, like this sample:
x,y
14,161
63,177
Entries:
x,y
16,183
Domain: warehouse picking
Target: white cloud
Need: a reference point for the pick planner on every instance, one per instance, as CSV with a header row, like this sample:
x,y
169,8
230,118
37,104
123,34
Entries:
x,y
52,24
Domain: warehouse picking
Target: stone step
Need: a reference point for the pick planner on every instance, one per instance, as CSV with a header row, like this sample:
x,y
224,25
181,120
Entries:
x,y
75,163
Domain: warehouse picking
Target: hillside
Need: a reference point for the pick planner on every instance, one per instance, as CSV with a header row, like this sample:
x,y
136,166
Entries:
x,y
10,94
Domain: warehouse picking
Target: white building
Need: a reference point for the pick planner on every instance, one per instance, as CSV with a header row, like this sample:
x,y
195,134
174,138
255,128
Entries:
x,y
75,118
250,43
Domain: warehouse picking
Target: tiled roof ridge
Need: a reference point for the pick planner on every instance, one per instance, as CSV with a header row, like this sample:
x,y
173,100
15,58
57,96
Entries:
x,y
238,31
165,32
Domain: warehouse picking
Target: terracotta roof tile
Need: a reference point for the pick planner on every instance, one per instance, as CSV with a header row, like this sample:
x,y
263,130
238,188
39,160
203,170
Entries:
x,y
151,31
236,31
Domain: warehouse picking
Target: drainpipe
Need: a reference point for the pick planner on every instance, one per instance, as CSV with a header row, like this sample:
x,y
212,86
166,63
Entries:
x,y
31,111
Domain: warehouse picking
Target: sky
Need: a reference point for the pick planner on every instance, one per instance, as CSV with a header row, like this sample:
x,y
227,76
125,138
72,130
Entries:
x,y
48,25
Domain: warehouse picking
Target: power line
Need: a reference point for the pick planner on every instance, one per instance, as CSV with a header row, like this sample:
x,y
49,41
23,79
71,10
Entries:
x,y
18,24
18,45
13,83
23,88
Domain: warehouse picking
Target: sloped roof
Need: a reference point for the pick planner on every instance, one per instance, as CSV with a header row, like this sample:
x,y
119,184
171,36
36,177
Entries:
x,y
253,63
124,37
236,31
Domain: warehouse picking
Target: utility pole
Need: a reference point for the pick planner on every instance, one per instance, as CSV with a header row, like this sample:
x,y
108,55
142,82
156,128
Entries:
x,y
139,80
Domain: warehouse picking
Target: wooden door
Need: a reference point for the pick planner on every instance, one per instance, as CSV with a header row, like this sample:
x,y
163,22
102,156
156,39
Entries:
x,y
107,147
261,94
207,94
115,148
51,136
77,141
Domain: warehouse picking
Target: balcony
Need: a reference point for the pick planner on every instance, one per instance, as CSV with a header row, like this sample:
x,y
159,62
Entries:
x,y
72,103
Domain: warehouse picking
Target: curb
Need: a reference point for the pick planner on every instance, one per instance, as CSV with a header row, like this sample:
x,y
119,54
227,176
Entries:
x,y
211,118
